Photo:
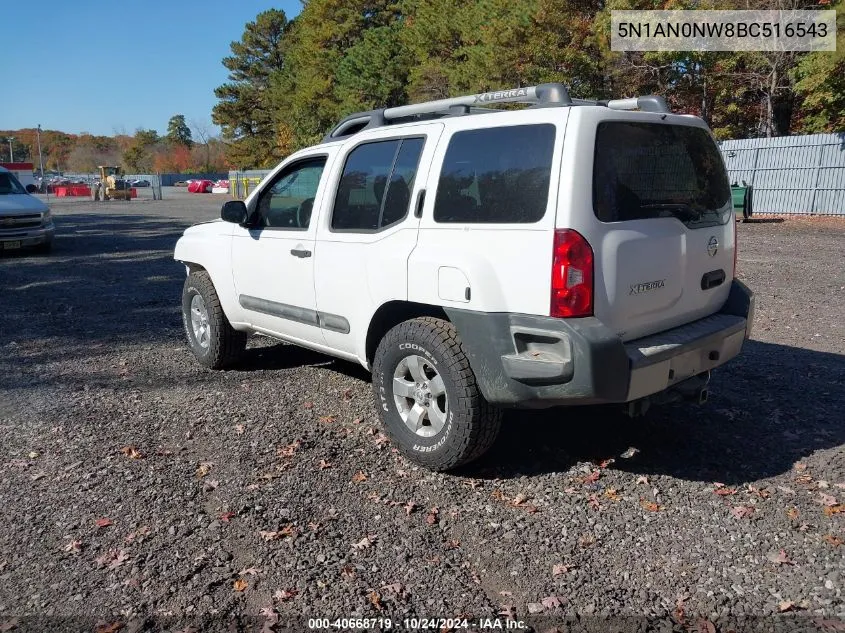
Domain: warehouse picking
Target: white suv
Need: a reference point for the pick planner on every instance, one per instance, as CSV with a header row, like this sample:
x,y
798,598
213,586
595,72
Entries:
x,y
571,252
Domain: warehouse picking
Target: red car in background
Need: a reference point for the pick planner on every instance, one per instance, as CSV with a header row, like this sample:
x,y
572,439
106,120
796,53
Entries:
x,y
200,186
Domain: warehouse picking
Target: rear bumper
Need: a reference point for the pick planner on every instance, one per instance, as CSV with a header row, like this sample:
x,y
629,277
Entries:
x,y
533,361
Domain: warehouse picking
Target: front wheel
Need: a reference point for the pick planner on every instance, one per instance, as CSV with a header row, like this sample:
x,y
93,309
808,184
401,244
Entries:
x,y
428,397
212,339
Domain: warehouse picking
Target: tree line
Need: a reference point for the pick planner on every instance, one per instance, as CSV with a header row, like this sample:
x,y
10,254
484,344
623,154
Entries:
x,y
291,80
144,152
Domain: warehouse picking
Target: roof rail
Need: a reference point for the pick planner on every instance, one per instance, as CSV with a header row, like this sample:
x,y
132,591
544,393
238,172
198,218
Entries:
x,y
543,95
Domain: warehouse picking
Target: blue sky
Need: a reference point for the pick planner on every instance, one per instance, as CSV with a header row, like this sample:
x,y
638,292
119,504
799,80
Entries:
x,y
65,57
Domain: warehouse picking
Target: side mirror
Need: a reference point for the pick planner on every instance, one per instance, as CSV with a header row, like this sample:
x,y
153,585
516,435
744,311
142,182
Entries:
x,y
234,211
31,188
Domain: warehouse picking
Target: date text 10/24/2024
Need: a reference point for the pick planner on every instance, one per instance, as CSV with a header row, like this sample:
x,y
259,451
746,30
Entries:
x,y
416,624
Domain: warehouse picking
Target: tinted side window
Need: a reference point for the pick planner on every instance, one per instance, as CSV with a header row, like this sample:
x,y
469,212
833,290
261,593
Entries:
x,y
287,203
496,175
375,187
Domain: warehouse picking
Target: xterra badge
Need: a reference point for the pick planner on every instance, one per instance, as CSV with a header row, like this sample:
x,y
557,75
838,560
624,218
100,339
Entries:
x,y
637,289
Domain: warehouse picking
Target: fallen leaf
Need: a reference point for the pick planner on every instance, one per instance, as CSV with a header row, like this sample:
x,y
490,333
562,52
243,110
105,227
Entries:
x,y
327,419
410,507
724,491
240,584
519,499
203,469
792,513
507,611
101,523
593,502
357,420
551,602
347,394
108,628
239,429
706,626
394,588
763,494
535,607
826,500
650,505
359,477
249,571
210,484
612,494
382,440
288,450
789,605
431,517
829,511
804,480
375,600
560,568
833,540
33,454
227,516
740,512
586,540
830,625
473,484
498,495
347,572
800,467
365,543
284,594
307,405
592,478
74,547
131,452
119,559
453,544
779,558
642,479
606,462
288,531
324,464
629,453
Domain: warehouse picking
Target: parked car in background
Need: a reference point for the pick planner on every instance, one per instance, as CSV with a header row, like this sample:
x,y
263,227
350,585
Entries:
x,y
139,183
25,221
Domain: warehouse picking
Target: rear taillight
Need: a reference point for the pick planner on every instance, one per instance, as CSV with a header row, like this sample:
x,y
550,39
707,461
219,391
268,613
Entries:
x,y
736,247
572,275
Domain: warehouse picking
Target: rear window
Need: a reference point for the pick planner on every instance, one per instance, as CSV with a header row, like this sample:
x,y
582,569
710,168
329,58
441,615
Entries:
x,y
649,170
496,175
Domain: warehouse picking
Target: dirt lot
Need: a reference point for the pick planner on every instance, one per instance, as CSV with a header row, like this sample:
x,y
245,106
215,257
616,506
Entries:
x,y
135,483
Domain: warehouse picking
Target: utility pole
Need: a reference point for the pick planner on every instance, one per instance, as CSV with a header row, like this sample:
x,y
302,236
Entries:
x,y
40,159
11,156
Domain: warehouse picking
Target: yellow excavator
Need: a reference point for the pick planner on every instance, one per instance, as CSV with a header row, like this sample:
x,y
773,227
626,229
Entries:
x,y
112,185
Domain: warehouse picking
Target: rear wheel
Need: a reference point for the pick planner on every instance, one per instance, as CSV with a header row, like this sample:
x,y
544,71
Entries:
x,y
212,339
428,397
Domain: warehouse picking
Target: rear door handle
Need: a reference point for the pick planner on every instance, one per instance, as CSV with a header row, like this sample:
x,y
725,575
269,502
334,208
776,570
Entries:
x,y
300,252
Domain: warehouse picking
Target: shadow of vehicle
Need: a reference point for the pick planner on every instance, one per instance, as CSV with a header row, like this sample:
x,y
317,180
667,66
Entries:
x,y
769,408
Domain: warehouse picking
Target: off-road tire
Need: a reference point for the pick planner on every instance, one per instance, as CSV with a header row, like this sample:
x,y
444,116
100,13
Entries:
x,y
225,343
472,423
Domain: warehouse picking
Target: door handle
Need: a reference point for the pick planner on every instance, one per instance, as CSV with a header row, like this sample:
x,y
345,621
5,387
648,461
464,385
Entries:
x,y
420,202
300,252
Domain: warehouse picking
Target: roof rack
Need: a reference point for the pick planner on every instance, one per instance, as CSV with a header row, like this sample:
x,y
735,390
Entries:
x,y
543,95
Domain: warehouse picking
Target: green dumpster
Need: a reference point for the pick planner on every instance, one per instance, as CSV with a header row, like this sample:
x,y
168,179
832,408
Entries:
x,y
741,195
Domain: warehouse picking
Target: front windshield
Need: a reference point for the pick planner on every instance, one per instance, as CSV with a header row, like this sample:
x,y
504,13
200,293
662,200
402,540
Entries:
x,y
9,184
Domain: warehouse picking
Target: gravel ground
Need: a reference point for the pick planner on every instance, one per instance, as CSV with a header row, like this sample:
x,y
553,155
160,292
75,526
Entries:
x,y
136,484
